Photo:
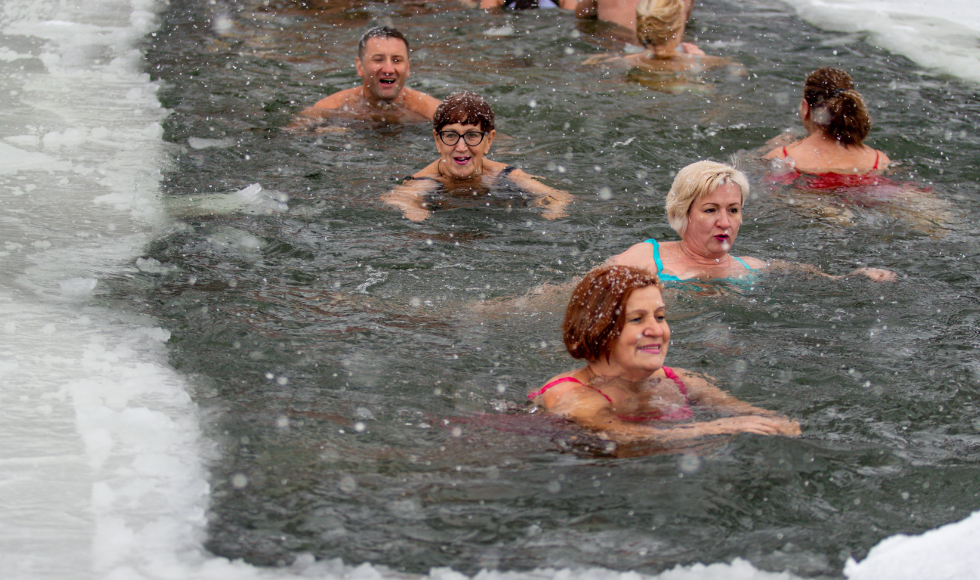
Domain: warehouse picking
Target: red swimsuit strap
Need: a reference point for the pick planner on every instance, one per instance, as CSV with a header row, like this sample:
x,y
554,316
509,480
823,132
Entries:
x,y
673,376
565,380
667,371
877,153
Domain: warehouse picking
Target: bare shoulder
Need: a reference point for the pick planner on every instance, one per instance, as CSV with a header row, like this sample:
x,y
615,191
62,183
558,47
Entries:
x,y
555,388
755,263
883,160
776,153
638,255
692,379
339,99
431,171
420,102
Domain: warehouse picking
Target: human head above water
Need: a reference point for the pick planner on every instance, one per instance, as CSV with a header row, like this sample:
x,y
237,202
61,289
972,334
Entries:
x,y
379,32
695,182
596,312
659,21
835,107
465,108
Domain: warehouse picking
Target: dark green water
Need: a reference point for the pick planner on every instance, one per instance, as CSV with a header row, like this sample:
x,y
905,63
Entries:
x,y
354,388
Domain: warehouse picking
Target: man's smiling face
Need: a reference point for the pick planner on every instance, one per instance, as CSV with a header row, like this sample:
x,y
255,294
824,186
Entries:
x,y
383,68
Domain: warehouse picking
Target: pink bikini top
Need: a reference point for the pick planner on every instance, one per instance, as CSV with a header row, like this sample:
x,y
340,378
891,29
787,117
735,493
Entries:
x,y
682,412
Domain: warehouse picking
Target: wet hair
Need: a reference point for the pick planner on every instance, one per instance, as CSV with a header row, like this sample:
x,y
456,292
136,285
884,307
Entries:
x,y
379,32
836,107
695,182
596,312
465,108
658,21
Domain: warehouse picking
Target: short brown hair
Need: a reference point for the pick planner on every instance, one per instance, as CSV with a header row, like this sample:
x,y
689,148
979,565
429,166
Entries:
x,y
465,108
836,107
379,32
596,312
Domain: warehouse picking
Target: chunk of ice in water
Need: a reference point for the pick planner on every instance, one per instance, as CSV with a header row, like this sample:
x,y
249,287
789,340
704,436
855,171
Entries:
x,y
78,287
202,143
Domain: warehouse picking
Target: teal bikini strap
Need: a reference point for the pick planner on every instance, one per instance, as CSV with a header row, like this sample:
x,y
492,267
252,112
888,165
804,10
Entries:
x,y
659,263
742,262
656,254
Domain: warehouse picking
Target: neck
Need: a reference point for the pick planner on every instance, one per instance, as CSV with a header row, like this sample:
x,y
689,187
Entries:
x,y
702,257
375,102
603,369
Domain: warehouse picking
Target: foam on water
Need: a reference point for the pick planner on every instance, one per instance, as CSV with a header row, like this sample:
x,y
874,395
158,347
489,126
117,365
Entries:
x,y
939,35
102,460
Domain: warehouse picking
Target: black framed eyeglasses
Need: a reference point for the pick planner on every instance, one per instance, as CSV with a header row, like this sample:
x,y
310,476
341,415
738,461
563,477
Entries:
x,y
471,138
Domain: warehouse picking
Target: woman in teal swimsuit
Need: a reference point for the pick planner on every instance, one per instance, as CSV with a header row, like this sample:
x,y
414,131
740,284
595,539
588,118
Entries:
x,y
704,207
616,321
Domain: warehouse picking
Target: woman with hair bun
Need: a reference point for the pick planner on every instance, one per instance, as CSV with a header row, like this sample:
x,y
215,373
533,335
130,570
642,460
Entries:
x,y
834,115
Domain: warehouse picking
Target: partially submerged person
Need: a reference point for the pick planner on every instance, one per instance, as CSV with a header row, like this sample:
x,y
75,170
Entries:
x,y
383,64
704,206
616,321
621,12
463,129
837,121
523,4
660,29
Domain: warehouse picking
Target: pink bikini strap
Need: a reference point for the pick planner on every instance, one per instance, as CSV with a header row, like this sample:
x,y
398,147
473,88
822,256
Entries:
x,y
876,159
785,152
565,380
673,376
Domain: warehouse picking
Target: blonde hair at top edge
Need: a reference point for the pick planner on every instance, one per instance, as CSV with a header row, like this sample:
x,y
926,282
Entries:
x,y
695,182
658,21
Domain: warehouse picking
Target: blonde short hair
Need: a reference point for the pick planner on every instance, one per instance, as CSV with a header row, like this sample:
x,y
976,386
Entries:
x,y
695,182
658,21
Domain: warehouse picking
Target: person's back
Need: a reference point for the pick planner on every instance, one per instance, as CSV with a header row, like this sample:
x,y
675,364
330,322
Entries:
x,y
621,12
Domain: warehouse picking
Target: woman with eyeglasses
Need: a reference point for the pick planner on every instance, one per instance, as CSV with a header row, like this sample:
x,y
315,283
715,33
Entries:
x,y
463,129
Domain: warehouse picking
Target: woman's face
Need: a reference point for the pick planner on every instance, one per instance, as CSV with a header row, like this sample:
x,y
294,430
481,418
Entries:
x,y
462,160
642,344
713,221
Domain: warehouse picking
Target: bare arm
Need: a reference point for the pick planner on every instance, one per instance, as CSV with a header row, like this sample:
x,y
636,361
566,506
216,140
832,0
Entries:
x,y
409,197
591,410
421,103
552,200
873,274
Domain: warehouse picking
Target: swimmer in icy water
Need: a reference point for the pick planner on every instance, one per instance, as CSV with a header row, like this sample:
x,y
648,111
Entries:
x,y
382,63
463,129
704,206
834,115
660,28
523,4
616,321
621,12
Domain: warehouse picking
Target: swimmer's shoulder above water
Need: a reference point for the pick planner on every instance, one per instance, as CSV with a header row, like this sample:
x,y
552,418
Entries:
x,y
660,26
463,130
624,392
383,65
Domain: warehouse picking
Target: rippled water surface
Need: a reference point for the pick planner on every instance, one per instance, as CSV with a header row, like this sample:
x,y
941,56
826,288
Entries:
x,y
363,376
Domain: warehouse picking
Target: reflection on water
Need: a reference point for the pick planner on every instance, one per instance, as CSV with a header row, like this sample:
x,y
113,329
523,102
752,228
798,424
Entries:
x,y
365,377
